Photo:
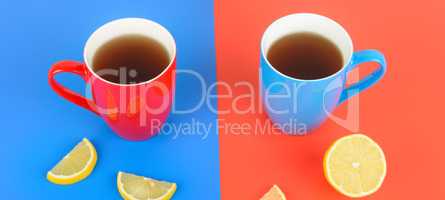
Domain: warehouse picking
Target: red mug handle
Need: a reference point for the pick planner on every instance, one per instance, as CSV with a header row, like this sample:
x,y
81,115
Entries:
x,y
75,68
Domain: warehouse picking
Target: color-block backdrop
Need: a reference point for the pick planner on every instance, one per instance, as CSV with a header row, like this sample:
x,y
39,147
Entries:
x,y
39,127
403,112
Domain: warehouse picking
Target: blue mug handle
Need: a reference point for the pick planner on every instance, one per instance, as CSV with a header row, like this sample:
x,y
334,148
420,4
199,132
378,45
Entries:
x,y
360,57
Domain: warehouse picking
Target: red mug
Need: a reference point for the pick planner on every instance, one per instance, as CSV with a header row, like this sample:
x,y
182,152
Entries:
x,y
133,111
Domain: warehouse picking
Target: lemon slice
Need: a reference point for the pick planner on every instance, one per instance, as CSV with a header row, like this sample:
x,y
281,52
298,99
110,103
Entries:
x,y
75,166
133,187
274,194
355,165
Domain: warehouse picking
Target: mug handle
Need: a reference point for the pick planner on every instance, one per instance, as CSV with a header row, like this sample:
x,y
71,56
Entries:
x,y
75,68
360,57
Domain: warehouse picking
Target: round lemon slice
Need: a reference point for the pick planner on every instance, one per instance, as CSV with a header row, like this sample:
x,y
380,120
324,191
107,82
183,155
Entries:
x,y
133,187
75,166
355,165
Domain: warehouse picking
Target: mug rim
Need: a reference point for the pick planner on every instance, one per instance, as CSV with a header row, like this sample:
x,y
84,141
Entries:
x,y
127,20
321,17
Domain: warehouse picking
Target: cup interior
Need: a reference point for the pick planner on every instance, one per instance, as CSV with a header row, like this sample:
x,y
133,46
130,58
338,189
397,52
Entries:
x,y
307,22
126,26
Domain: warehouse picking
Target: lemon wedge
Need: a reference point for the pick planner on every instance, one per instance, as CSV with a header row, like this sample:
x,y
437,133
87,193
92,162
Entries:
x,y
75,166
274,193
134,187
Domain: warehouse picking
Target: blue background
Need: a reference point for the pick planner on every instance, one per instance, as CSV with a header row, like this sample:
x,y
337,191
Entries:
x,y
38,127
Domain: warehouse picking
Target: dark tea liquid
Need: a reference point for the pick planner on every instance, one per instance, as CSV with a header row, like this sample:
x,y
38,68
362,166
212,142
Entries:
x,y
305,56
130,59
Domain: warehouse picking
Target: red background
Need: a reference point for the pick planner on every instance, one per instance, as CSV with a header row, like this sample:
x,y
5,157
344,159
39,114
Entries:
x,y
402,112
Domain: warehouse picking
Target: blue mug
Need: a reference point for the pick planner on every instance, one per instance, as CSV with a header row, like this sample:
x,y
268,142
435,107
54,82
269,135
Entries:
x,y
298,106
